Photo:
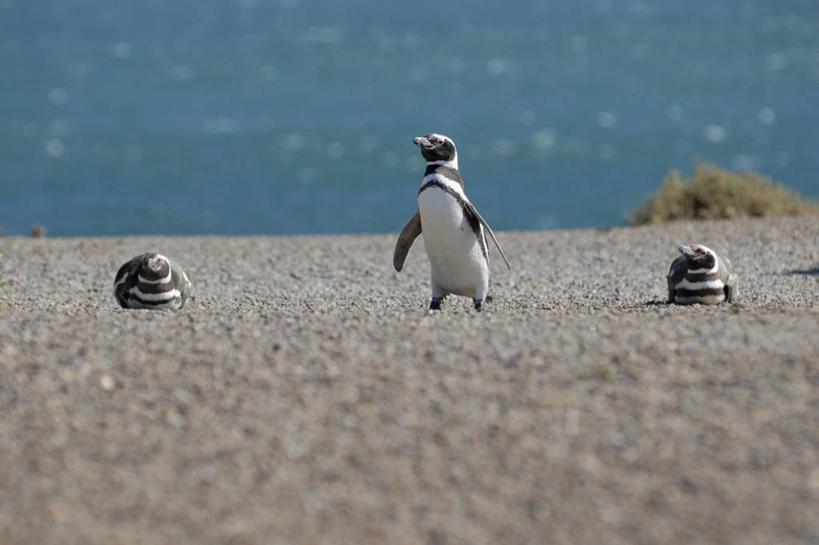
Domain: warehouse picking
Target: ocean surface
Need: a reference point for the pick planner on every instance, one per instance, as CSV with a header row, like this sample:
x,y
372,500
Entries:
x,y
281,117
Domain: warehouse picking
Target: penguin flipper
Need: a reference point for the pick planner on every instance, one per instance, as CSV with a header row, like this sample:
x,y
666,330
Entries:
x,y
408,235
125,279
675,275
471,208
731,289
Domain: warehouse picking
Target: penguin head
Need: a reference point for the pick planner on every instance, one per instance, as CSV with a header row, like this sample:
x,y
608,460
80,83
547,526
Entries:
x,y
436,147
699,256
154,267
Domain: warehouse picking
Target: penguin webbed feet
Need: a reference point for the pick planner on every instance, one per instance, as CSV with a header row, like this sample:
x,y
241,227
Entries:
x,y
435,303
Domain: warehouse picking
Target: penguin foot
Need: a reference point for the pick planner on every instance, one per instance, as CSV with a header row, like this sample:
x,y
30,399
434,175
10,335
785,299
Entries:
x,y
479,304
435,304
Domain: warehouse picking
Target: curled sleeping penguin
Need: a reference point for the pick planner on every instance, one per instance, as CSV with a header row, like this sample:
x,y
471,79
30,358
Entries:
x,y
700,276
151,281
454,231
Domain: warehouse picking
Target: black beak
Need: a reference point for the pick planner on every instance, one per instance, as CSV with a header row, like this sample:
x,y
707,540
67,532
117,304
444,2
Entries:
x,y
689,252
422,141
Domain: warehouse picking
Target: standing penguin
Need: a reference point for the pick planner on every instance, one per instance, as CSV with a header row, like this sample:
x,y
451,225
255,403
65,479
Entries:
x,y
700,276
151,281
454,231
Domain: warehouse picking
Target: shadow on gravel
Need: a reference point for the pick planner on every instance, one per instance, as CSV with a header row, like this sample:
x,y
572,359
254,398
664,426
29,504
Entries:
x,y
807,272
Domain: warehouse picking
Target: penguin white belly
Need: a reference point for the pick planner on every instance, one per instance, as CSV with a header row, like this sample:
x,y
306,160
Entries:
x,y
457,261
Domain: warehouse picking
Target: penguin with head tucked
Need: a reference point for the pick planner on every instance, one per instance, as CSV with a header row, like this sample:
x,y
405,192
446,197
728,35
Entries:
x,y
699,275
151,281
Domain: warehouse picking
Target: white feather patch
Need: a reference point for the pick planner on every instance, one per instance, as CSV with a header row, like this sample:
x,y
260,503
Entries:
x,y
452,163
705,284
163,280
450,183
164,296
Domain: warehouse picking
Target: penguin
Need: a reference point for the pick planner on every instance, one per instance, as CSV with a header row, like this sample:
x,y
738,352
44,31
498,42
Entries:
x,y
151,281
700,276
454,231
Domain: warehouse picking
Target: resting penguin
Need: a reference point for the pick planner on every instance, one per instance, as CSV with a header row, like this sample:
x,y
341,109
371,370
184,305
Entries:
x,y
700,276
151,281
454,231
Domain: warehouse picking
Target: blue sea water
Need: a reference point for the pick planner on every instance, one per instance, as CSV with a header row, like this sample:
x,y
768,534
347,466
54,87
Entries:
x,y
288,116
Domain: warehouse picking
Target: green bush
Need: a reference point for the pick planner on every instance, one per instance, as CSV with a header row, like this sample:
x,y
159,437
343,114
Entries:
x,y
714,193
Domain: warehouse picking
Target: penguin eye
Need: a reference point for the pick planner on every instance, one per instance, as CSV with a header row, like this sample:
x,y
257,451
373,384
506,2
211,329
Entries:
x,y
439,141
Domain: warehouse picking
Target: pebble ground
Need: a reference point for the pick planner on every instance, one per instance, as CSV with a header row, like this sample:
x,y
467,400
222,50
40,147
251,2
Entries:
x,y
307,396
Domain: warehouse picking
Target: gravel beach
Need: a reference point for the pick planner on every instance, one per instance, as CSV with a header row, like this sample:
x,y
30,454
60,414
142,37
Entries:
x,y
307,396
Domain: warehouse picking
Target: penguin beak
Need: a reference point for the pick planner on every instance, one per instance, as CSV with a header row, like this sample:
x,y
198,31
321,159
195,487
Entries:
x,y
422,141
689,252
155,263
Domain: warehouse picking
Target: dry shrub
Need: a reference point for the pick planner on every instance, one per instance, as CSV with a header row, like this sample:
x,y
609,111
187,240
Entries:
x,y
714,193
